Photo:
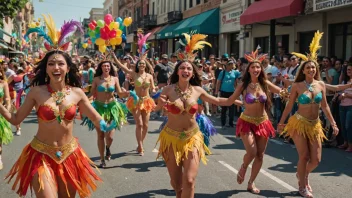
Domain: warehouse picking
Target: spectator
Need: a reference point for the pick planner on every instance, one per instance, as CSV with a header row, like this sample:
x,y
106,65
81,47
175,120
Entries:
x,y
226,85
162,71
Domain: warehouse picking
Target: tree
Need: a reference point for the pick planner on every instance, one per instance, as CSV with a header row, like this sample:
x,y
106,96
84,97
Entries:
x,y
10,8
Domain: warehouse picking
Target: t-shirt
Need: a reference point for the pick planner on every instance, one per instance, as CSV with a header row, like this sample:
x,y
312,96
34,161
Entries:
x,y
347,101
272,70
334,75
228,81
9,72
163,71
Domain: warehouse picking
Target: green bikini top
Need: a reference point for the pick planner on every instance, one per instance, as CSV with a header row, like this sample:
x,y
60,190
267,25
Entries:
x,y
305,99
2,92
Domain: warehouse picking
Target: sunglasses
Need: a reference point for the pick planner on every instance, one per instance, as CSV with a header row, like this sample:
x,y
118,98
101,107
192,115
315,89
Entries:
x,y
293,58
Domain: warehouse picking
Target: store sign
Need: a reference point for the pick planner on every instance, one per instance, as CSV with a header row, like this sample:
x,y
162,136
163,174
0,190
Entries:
x,y
320,5
190,33
231,17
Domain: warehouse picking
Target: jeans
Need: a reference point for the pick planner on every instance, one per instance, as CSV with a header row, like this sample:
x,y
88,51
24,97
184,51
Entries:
x,y
346,123
277,109
231,108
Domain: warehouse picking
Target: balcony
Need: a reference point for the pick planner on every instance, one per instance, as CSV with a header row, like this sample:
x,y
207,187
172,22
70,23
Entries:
x,y
135,26
174,16
150,21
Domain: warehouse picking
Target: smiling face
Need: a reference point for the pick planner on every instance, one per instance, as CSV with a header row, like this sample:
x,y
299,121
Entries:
x,y
349,71
185,71
310,70
106,67
56,68
254,70
141,65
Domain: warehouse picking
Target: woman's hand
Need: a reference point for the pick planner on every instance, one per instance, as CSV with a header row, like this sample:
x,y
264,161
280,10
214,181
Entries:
x,y
335,129
280,127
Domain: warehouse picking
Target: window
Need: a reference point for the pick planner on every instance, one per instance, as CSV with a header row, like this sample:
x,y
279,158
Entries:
x,y
197,2
224,1
263,42
165,6
157,7
190,3
184,4
205,1
340,41
153,11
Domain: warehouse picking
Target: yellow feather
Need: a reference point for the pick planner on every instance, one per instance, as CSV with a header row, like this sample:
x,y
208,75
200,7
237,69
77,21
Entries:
x,y
50,25
195,39
200,45
315,45
301,56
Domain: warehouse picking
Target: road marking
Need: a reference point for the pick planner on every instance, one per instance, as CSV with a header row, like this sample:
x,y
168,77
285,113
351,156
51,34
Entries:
x,y
276,142
155,150
277,180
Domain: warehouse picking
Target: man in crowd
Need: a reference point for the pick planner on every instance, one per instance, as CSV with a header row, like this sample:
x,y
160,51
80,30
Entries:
x,y
162,71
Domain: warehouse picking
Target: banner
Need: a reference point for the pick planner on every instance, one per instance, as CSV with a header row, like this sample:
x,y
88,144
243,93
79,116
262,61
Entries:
x,y
321,5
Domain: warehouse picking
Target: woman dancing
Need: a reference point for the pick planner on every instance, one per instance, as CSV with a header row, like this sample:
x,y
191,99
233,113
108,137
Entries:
x,y
181,141
54,164
253,125
304,127
104,85
140,109
6,135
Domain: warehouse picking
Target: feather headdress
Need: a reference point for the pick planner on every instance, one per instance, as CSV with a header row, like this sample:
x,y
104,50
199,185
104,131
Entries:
x,y
255,57
193,43
142,43
56,40
313,48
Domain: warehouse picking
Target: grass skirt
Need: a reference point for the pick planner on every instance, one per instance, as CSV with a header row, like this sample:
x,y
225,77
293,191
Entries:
x,y
113,111
72,166
182,143
310,129
6,135
260,126
144,103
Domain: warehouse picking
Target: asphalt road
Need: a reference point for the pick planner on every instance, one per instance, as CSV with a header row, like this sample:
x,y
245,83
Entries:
x,y
130,175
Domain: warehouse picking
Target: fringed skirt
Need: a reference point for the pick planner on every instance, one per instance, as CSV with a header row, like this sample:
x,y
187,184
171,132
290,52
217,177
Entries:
x,y
144,103
310,129
260,126
114,113
182,143
68,163
6,135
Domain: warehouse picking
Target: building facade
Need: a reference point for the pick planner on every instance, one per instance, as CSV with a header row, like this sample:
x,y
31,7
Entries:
x,y
96,14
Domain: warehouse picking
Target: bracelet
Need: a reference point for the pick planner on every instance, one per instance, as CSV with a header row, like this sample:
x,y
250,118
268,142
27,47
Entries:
x,y
281,124
284,93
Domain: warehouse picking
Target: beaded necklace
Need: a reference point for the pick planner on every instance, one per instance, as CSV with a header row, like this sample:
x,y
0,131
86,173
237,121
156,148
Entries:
x,y
58,97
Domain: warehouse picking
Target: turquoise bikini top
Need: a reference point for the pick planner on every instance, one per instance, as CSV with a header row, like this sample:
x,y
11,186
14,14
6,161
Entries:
x,y
106,89
2,92
305,99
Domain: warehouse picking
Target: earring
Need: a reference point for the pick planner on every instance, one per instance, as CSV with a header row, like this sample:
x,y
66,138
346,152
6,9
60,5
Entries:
x,y
46,78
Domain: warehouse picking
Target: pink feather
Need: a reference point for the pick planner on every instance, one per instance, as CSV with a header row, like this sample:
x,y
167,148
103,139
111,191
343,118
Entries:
x,y
142,39
68,28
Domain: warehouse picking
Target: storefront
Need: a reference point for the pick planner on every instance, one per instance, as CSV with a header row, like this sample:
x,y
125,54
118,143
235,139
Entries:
x,y
231,36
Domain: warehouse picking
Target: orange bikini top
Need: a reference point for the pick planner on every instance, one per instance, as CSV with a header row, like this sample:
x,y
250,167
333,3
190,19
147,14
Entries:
x,y
48,113
176,108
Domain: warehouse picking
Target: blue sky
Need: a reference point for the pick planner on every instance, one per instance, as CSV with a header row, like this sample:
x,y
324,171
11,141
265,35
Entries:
x,y
62,10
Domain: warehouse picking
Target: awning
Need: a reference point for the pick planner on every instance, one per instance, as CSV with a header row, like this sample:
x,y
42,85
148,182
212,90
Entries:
x,y
168,31
204,23
265,10
3,46
154,32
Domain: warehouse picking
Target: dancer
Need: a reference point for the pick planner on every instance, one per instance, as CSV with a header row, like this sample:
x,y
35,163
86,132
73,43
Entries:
x,y
6,135
104,85
253,125
181,141
304,127
54,164
144,84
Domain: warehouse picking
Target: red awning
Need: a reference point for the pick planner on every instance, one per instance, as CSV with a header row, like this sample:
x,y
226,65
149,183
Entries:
x,y
265,10
153,31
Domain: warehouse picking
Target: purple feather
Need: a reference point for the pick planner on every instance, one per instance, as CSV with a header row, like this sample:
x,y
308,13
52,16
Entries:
x,y
68,28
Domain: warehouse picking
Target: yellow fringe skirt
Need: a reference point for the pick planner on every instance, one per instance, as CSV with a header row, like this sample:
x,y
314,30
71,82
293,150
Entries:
x,y
182,143
311,129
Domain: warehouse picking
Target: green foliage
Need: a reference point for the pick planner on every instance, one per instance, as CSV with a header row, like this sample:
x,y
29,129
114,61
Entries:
x,y
10,8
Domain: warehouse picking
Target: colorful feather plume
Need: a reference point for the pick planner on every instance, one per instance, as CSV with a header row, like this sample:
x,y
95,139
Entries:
x,y
50,25
193,43
313,48
255,57
142,43
41,33
68,28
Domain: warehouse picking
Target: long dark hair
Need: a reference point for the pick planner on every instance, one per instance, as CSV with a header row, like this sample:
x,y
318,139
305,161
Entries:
x,y
300,75
246,79
195,80
99,71
71,79
346,78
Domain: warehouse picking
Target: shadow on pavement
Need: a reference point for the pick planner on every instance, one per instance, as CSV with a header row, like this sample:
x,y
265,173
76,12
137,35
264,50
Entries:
x,y
143,167
151,193
113,156
263,193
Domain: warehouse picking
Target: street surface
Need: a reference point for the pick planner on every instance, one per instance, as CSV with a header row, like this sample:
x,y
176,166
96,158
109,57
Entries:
x,y
129,175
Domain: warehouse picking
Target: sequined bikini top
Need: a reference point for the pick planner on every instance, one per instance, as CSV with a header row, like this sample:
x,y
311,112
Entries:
x,y
140,83
48,113
305,99
2,92
106,89
176,108
250,98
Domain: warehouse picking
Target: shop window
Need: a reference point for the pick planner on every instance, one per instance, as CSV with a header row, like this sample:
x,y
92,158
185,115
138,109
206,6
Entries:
x,y
234,44
305,38
190,3
197,2
340,40
282,41
184,4
263,42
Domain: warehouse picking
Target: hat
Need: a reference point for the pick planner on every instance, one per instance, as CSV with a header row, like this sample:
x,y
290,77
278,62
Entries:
x,y
173,55
165,56
208,62
225,56
20,68
126,57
